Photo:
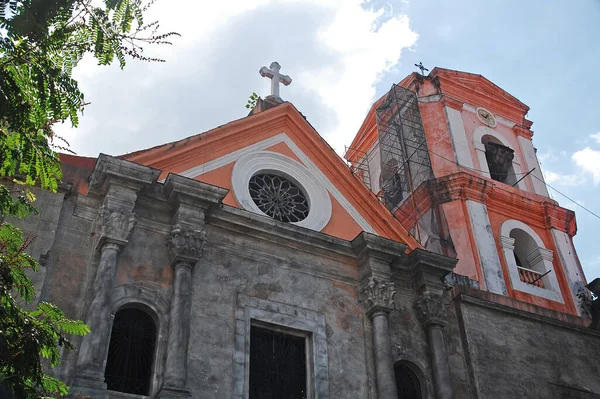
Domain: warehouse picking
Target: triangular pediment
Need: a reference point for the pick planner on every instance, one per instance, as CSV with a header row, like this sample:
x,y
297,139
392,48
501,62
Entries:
x,y
477,90
279,141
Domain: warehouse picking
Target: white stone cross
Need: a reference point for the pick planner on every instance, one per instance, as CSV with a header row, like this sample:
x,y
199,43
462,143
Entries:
x,y
275,76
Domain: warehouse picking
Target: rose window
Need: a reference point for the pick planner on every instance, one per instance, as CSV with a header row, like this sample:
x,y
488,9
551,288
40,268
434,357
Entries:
x,y
278,197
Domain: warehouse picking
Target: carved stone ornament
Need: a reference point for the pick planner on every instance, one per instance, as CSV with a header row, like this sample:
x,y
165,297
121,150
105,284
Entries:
x,y
186,244
378,295
115,225
431,309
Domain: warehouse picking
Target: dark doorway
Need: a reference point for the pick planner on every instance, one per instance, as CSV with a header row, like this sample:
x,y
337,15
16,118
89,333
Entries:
x,y
277,365
131,352
407,383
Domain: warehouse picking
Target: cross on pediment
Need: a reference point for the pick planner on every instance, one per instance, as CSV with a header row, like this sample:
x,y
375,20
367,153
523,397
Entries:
x,y
273,73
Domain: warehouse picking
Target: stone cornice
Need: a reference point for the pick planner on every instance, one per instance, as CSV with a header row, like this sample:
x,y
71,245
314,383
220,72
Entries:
x,y
180,189
452,102
428,268
376,254
114,170
523,132
285,234
460,185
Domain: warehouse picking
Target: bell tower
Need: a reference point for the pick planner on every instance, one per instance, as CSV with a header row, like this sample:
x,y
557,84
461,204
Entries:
x,y
451,155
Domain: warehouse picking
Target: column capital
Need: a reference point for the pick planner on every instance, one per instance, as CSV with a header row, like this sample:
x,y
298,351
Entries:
x,y
431,309
116,226
377,295
506,242
186,244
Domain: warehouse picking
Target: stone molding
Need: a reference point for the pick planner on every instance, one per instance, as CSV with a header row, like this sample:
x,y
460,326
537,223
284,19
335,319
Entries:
x,y
110,169
377,295
116,227
431,309
185,244
279,164
452,102
375,255
254,311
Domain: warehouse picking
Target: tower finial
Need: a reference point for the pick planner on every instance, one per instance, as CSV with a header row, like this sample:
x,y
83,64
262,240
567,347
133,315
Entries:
x,y
421,67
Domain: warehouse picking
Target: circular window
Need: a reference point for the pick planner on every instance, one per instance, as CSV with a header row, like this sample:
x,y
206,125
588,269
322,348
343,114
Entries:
x,y
278,197
282,188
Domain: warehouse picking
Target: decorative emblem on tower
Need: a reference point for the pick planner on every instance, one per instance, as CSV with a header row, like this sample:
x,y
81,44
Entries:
x,y
486,117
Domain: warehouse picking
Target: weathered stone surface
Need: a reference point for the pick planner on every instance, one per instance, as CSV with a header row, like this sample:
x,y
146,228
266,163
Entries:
x,y
245,261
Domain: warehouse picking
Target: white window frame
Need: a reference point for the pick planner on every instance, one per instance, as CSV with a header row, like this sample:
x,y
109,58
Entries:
x,y
478,135
540,256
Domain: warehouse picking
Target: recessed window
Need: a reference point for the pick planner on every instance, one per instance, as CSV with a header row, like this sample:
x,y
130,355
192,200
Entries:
x,y
278,197
131,352
407,383
277,365
531,268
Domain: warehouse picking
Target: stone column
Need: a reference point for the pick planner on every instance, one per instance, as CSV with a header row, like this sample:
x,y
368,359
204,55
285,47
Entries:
x,y
115,228
431,312
185,246
377,296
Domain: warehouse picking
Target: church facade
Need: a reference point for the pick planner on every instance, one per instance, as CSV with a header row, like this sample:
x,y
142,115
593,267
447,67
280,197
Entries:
x,y
250,261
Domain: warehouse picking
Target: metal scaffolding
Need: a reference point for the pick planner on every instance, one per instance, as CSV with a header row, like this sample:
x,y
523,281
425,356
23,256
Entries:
x,y
405,165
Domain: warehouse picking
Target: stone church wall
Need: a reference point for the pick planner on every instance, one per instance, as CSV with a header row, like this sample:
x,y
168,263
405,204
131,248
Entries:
x,y
516,354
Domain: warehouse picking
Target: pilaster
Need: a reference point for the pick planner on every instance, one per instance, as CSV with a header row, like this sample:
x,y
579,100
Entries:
x,y
192,201
117,183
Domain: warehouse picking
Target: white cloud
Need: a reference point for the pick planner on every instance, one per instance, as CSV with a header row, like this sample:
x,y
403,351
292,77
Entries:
x,y
334,50
596,137
563,179
589,161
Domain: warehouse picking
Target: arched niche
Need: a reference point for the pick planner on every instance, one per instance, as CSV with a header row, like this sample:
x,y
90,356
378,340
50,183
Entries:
x,y
156,304
483,135
410,380
528,261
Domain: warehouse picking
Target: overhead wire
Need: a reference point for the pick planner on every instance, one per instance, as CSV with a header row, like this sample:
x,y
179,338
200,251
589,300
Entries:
x,y
515,174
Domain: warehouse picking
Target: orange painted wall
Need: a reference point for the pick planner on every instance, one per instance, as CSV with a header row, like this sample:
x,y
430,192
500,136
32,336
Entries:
x,y
496,221
462,239
438,138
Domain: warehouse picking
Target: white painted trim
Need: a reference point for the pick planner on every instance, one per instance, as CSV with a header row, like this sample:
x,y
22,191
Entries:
x,y
543,255
201,169
531,162
486,248
571,266
459,137
272,162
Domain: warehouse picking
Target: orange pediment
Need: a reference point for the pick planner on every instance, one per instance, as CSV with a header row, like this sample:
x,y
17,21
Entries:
x,y
280,137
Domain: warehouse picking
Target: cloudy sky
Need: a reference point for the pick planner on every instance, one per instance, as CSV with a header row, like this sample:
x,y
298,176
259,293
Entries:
x,y
343,54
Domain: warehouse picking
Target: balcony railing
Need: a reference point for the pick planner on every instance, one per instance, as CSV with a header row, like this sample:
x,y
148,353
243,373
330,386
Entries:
x,y
530,277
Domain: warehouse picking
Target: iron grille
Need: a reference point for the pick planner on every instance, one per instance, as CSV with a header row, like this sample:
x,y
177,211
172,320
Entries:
x,y
277,365
407,383
131,352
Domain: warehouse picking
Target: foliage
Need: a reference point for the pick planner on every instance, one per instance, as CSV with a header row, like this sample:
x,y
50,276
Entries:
x,y
41,42
26,335
252,101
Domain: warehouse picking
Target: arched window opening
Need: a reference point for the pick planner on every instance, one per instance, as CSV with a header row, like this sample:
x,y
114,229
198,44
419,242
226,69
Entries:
x,y
392,183
529,263
407,382
131,352
499,159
